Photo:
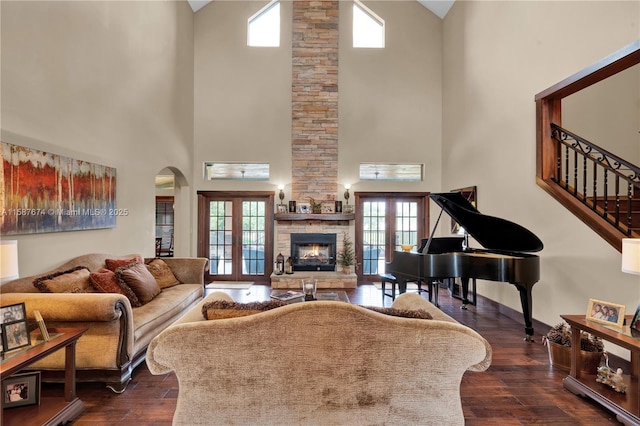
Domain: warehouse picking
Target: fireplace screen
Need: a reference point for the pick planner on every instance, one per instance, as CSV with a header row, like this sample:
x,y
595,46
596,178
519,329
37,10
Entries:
x,y
313,252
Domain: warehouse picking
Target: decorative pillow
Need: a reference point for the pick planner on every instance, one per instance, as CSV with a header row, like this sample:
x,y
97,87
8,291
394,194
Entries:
x,y
105,282
137,277
405,313
221,309
74,280
113,264
162,273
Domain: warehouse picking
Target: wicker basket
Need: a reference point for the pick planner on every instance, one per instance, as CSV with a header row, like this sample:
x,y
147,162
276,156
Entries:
x,y
560,357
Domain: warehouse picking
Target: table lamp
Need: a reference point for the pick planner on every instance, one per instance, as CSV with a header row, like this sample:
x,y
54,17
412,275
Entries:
x,y
8,260
631,255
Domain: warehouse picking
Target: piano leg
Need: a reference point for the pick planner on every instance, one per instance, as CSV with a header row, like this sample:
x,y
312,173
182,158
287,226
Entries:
x,y
527,310
464,286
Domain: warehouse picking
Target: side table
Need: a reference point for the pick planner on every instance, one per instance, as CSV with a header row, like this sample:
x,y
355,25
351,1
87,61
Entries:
x,y
626,406
52,410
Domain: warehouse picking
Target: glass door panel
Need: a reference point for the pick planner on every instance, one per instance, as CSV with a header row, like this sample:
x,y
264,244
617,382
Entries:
x,y
373,236
235,236
220,238
406,230
383,223
253,237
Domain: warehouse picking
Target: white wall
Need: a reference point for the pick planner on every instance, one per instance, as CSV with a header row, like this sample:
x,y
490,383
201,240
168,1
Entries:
x,y
497,56
106,82
242,95
390,105
608,114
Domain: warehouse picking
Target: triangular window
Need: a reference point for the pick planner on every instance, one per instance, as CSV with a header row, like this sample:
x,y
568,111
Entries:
x,y
368,28
264,26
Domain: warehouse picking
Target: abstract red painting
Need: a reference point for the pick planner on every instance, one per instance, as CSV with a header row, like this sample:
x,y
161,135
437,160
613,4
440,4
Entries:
x,y
45,192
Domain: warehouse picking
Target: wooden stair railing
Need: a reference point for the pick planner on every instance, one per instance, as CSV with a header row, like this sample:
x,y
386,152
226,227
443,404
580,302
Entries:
x,y
602,181
588,206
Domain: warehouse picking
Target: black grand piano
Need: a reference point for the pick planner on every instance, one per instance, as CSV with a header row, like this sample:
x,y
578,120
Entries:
x,y
505,256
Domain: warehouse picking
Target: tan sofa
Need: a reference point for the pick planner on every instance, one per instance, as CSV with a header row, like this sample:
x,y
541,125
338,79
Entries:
x,y
319,363
118,334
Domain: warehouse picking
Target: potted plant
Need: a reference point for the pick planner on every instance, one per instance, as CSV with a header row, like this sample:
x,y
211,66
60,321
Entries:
x,y
347,256
558,342
316,206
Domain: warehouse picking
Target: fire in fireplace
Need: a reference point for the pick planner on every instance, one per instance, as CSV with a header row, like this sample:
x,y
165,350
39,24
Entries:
x,y
313,252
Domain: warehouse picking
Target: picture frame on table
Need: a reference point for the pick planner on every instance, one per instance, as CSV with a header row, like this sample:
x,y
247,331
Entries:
x,y
11,313
14,327
15,335
21,389
607,313
635,323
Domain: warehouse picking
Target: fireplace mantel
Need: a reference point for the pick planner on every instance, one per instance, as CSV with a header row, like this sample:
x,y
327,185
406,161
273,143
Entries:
x,y
332,217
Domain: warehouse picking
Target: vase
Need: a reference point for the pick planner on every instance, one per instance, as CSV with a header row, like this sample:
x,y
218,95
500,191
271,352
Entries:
x,y
347,269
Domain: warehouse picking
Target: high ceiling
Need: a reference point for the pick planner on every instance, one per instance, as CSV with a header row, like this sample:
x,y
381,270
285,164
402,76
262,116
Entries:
x,y
438,7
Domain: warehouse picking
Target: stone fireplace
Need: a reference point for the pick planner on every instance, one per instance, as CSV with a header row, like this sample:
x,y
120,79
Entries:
x,y
313,252
326,279
314,136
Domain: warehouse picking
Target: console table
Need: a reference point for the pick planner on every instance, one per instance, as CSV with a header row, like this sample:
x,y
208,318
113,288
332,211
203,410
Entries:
x,y
626,406
52,410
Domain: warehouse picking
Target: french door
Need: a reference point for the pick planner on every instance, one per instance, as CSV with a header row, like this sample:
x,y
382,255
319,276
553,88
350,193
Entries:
x,y
235,233
384,222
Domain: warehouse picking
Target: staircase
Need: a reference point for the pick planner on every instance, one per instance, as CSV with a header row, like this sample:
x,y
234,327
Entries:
x,y
598,187
627,208
602,189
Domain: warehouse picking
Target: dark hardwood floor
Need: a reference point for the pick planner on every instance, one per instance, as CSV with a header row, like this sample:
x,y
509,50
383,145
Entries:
x,y
520,388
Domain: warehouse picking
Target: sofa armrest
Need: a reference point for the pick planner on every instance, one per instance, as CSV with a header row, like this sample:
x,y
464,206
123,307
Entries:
x,y
413,301
189,270
73,307
90,310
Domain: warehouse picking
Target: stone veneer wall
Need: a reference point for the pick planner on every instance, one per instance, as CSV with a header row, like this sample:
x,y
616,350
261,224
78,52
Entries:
x,y
314,131
314,128
284,229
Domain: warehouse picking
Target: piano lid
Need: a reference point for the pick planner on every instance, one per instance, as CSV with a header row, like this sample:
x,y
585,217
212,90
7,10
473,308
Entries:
x,y
491,232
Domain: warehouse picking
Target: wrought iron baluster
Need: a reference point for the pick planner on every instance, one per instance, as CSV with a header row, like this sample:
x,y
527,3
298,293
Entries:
x,y
584,178
566,168
575,173
629,205
595,184
623,172
606,193
617,201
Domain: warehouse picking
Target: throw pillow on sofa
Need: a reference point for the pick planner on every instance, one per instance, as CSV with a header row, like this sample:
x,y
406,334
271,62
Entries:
x,y
222,309
74,280
137,277
404,313
162,273
105,282
113,264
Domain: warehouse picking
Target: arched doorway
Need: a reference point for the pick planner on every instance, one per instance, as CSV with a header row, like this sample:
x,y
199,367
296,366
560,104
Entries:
x,y
171,227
